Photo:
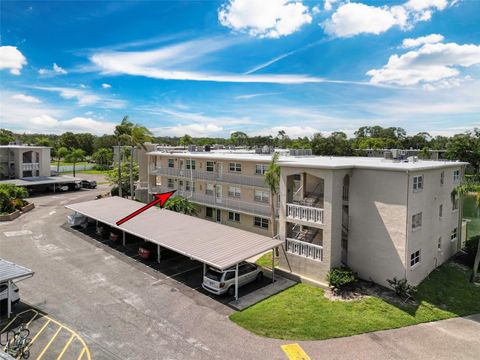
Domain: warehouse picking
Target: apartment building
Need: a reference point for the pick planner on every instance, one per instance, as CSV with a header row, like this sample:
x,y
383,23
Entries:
x,y
24,161
383,218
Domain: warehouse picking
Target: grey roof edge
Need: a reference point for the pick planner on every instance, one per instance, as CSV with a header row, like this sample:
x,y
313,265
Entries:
x,y
26,272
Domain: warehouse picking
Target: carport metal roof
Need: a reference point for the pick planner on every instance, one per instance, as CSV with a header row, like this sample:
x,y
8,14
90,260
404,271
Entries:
x,y
40,180
10,271
217,245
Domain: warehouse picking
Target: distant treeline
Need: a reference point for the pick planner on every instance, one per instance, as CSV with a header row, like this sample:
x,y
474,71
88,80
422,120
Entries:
x,y
464,146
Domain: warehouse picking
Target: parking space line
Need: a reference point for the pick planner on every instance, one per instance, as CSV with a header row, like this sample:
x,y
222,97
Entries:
x,y
81,354
49,343
295,352
38,333
66,347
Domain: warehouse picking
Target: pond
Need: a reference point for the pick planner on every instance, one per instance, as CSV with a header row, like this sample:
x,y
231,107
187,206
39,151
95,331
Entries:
x,y
471,212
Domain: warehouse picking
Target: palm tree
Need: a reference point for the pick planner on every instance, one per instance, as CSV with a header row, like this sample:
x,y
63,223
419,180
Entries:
x,y
103,157
137,137
75,156
61,153
471,187
181,204
272,179
121,134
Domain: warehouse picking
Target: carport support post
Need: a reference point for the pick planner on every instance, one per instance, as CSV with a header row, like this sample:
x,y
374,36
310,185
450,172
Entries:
x,y
236,282
204,269
159,252
9,298
124,242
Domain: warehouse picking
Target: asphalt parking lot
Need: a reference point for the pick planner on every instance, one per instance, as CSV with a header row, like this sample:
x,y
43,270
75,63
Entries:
x,y
127,309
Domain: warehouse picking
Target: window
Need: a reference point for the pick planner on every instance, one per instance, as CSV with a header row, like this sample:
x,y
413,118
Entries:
x,y
439,244
235,167
262,196
454,234
190,186
456,176
418,183
455,202
417,221
233,216
210,166
442,178
260,222
234,191
260,169
190,164
209,189
170,183
415,258
209,212
171,163
440,211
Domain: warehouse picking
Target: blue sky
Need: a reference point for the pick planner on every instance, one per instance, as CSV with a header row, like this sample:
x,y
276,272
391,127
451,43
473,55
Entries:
x,y
208,68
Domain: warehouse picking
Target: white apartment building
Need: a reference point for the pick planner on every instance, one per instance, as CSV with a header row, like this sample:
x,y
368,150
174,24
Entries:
x,y
380,217
24,161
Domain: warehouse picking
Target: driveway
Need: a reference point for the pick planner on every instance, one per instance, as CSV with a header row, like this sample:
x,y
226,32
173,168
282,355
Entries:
x,y
124,309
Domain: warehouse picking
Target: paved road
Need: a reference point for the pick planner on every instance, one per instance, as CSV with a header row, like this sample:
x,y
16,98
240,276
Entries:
x,y
125,310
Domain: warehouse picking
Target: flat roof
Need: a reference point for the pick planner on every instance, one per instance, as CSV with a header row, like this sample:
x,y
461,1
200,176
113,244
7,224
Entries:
x,y
214,244
23,147
324,162
12,271
40,180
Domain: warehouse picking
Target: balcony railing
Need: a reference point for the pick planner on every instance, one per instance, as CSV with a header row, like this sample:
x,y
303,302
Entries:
x,y
305,249
220,201
30,166
257,181
305,213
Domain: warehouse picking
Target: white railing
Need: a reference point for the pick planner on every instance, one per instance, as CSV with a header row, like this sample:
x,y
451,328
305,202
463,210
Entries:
x,y
305,213
302,248
218,201
257,181
30,166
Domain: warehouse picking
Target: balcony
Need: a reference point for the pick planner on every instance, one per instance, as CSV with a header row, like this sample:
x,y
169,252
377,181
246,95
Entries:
x,y
30,166
304,213
304,249
219,202
256,181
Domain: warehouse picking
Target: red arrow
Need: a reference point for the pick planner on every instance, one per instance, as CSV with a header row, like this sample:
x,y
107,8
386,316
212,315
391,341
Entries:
x,y
160,199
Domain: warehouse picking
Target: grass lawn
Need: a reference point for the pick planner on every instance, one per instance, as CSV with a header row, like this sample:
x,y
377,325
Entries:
x,y
303,313
63,163
102,172
471,212
266,261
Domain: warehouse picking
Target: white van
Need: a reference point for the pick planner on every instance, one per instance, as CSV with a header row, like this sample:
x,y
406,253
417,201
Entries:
x,y
220,282
15,296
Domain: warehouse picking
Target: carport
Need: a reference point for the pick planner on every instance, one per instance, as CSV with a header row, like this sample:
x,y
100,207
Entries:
x,y
10,272
213,244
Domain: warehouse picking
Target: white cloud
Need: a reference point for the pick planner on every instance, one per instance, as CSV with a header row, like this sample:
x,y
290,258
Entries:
x,y
328,4
351,19
26,98
12,59
429,39
49,124
430,63
106,86
265,18
251,96
55,70
85,98
291,131
195,130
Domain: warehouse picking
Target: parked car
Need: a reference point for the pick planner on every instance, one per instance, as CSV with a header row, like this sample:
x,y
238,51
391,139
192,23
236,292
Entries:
x,y
76,219
220,282
88,184
4,293
62,188
74,186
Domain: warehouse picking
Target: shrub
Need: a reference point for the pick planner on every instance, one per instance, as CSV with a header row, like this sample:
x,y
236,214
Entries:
x,y
339,278
471,246
11,197
402,288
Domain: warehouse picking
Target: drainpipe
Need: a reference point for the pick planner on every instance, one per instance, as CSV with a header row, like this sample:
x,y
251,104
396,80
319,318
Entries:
x,y
406,225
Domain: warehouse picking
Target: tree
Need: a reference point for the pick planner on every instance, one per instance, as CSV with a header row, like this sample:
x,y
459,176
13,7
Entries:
x,y
6,137
43,141
121,134
103,157
239,138
181,205
124,181
465,147
69,140
272,180
186,140
75,156
137,137
61,153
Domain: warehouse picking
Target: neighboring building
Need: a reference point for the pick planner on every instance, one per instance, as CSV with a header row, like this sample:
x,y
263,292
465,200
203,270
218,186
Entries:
x,y
24,161
381,217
